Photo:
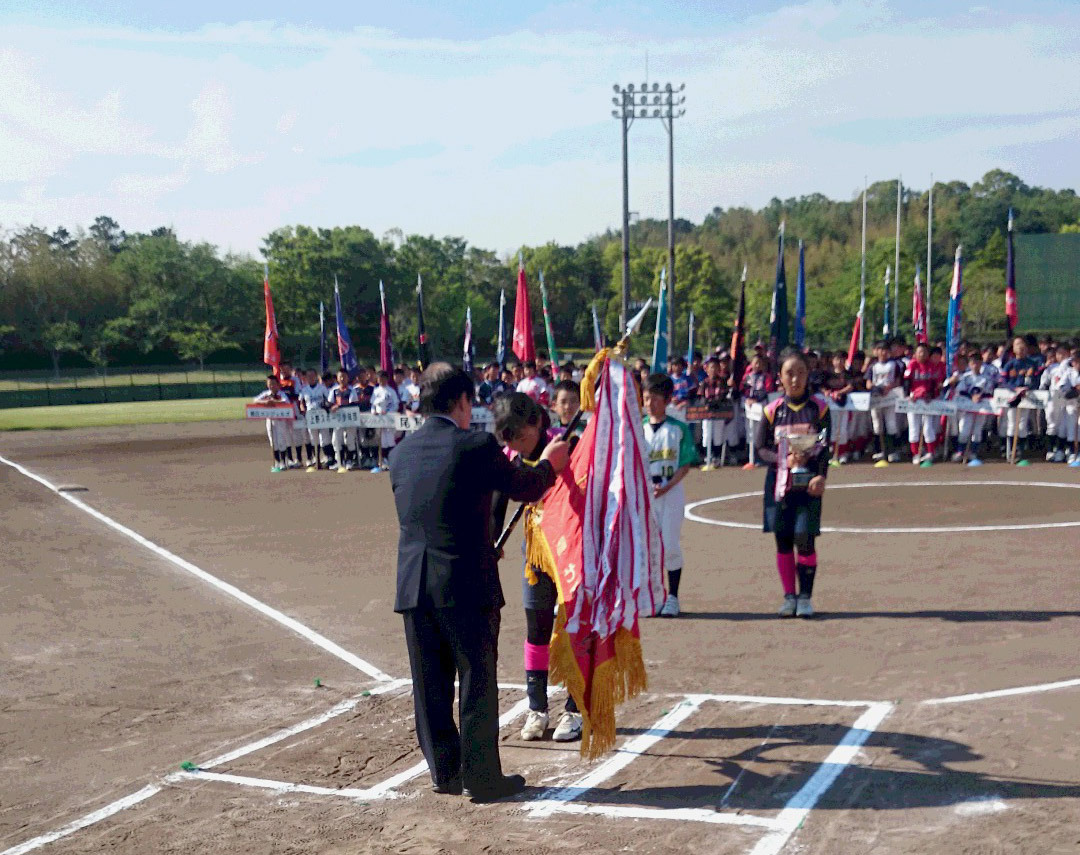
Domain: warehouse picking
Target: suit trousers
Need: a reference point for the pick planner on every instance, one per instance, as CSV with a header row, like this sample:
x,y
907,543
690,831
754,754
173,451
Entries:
x,y
444,643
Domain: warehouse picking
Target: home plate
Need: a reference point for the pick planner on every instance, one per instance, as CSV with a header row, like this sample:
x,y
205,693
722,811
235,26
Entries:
x,y
987,804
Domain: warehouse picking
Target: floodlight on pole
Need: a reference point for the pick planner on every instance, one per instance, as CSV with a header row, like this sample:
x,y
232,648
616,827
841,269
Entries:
x,y
667,107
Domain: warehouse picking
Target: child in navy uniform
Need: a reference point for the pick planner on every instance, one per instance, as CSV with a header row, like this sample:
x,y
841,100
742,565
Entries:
x,y
795,481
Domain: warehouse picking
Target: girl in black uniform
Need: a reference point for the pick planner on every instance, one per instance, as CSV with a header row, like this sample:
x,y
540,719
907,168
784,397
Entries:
x,y
522,425
795,481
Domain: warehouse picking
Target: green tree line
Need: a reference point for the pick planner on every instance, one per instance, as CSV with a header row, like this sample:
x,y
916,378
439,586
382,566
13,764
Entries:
x,y
103,296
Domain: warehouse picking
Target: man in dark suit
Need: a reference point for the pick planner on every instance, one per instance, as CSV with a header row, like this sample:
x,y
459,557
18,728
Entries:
x,y
448,589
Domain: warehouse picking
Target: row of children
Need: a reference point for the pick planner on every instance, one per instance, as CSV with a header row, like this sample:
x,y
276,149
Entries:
x,y
896,371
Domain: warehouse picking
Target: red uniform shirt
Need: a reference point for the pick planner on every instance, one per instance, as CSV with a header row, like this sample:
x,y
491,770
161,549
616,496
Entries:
x,y
924,380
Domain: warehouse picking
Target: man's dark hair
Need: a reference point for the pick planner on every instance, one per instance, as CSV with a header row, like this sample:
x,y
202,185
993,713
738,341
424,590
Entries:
x,y
384,375
513,412
529,363
328,377
272,377
567,386
441,387
492,365
660,384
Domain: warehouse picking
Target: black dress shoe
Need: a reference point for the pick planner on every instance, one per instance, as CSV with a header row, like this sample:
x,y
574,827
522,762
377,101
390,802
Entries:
x,y
510,785
447,788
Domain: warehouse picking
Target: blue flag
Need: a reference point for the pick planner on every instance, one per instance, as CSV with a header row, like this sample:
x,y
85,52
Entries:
x,y
955,320
660,339
345,349
800,302
778,316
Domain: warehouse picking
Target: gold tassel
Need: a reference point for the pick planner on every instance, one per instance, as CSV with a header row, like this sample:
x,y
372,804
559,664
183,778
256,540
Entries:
x,y
589,380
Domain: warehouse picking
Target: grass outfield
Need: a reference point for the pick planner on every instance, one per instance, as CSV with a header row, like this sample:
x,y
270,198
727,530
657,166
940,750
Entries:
x,y
31,381
139,413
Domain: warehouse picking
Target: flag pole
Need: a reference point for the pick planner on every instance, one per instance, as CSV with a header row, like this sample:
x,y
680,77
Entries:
x,y
862,267
896,262
929,254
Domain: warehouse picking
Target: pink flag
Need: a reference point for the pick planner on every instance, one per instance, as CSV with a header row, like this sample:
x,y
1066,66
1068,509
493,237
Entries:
x,y
855,331
523,346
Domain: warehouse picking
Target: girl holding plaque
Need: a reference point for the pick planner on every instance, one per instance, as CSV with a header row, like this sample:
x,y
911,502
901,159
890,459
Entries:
x,y
793,438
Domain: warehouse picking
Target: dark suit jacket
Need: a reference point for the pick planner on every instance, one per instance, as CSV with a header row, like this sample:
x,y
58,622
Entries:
x,y
443,479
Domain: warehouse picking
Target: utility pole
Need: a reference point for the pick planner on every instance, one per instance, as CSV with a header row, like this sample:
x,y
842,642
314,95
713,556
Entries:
x,y
653,102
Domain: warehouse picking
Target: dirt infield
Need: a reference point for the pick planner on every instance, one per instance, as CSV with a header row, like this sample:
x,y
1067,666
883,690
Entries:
x,y
122,664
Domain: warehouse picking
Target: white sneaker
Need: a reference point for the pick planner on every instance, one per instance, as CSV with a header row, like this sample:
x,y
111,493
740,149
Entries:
x,y
1059,456
1049,456
536,725
916,459
894,457
789,606
804,608
568,727
844,458
957,456
878,455
670,607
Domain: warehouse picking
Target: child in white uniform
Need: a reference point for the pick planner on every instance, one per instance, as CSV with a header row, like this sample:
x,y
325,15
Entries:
x,y
671,454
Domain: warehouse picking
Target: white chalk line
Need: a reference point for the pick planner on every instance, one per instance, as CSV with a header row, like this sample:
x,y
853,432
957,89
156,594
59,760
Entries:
x,y
689,512
279,787
382,790
146,792
308,724
781,828
1004,693
85,822
300,629
679,814
553,798
804,801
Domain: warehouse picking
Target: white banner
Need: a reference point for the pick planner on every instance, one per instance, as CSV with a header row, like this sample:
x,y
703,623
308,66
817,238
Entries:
x,y
352,417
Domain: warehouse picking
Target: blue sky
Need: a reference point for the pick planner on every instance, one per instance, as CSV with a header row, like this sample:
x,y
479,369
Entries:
x,y
492,121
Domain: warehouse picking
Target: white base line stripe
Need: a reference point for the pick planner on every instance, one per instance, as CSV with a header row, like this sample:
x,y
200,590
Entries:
x,y
796,810
764,700
84,822
308,724
152,789
680,814
277,786
1004,693
552,799
690,509
270,612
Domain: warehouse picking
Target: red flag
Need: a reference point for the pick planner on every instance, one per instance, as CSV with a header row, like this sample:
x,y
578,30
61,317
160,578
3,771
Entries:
x,y
271,345
854,338
523,346
597,538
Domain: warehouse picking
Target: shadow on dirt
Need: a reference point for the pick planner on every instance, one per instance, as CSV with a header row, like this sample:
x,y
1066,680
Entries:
x,y
897,771
951,615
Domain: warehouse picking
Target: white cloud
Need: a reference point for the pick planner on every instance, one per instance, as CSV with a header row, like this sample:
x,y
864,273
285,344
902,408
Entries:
x,y
229,131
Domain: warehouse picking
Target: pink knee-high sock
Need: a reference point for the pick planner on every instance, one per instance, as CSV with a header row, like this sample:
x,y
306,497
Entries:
x,y
785,565
808,560
536,656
